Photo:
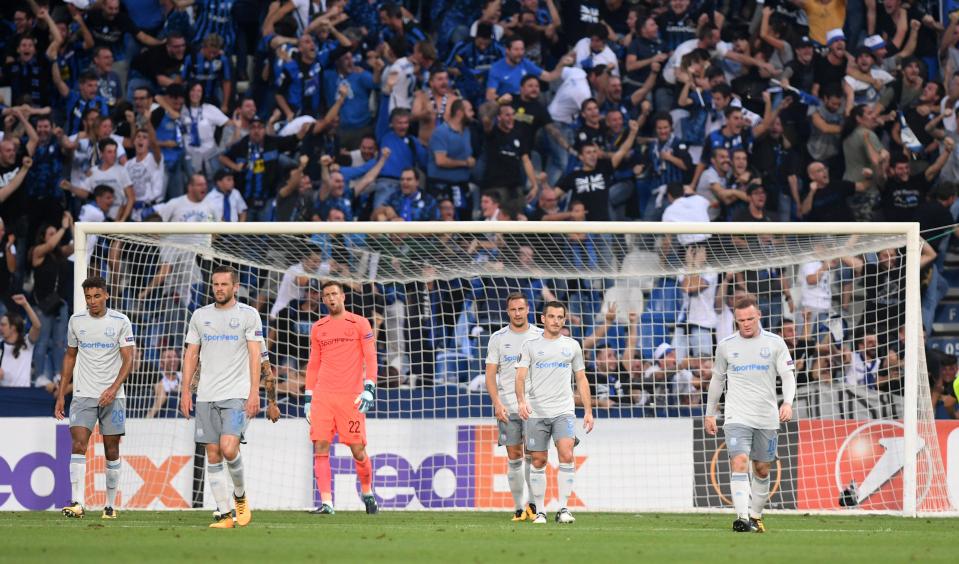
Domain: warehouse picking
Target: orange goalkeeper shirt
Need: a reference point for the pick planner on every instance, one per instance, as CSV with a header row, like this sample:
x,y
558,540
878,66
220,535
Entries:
x,y
339,351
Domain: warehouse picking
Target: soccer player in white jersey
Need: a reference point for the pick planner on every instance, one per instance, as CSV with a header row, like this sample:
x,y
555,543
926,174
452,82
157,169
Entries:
x,y
100,353
544,392
502,352
750,360
225,337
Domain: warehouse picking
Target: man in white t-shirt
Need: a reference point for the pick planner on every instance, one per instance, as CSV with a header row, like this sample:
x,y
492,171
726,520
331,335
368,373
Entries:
x,y
108,173
96,212
697,320
712,182
816,280
177,268
686,207
402,75
296,280
593,50
146,171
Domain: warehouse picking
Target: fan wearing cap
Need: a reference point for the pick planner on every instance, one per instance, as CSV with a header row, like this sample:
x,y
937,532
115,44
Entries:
x,y
172,135
871,80
664,374
831,67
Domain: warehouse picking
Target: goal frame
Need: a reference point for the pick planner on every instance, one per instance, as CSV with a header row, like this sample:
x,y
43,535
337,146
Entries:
x,y
909,230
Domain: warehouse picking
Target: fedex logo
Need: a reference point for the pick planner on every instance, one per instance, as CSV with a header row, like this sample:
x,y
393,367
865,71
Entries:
x,y
18,478
397,481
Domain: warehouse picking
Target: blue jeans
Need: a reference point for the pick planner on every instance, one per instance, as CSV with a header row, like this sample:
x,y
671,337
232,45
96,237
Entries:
x,y
178,174
938,286
558,157
693,341
261,214
772,310
383,188
51,345
619,196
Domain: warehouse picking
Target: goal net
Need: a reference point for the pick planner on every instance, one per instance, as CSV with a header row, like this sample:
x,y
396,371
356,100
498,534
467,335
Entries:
x,y
647,301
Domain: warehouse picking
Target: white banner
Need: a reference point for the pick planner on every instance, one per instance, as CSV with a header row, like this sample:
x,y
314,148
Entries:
x,y
622,465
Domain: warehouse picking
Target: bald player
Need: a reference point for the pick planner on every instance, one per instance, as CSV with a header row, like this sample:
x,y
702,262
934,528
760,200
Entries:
x,y
750,360
341,374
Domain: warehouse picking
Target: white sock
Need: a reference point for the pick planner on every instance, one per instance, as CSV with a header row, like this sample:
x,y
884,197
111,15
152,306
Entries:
x,y
236,474
537,487
739,485
218,486
760,493
78,476
529,487
566,478
113,480
516,481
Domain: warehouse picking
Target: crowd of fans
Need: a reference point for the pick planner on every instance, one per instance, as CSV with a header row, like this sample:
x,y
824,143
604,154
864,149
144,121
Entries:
x,y
565,110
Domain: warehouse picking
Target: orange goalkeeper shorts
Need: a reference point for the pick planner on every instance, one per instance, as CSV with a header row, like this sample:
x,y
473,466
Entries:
x,y
337,414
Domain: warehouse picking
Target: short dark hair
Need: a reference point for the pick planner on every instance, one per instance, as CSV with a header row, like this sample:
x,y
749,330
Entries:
x,y
730,110
104,143
95,282
515,296
724,89
706,30
493,195
598,30
898,158
457,106
87,76
399,112
227,269
329,283
742,302
528,78
663,116
101,189
675,190
555,303
513,39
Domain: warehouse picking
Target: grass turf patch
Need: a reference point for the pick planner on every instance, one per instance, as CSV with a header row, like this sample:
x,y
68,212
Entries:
x,y
183,536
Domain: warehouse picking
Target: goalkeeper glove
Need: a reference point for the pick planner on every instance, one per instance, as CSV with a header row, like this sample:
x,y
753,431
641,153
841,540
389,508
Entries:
x,y
367,396
308,405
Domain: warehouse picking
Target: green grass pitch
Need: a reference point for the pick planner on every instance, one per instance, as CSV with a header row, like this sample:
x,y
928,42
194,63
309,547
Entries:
x,y
286,536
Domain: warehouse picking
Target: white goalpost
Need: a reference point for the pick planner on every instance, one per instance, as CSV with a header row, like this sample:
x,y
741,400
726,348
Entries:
x,y
648,301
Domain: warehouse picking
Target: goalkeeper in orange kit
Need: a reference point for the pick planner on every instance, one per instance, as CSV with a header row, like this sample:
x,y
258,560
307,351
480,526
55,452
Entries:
x,y
342,352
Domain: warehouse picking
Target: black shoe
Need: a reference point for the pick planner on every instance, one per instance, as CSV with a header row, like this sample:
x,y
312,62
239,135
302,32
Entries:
x,y
370,502
744,526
